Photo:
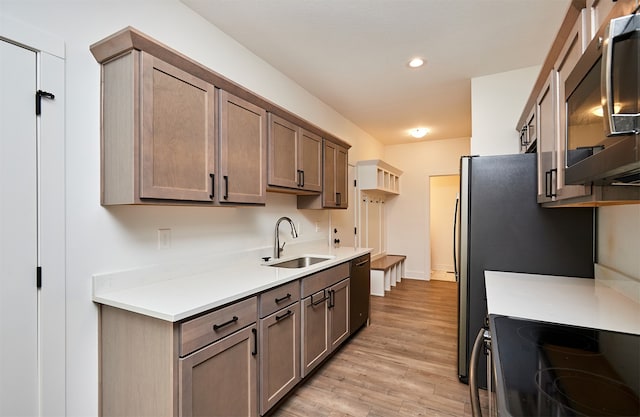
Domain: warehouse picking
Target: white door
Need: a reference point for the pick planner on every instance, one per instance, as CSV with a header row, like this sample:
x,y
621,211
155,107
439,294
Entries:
x,y
19,389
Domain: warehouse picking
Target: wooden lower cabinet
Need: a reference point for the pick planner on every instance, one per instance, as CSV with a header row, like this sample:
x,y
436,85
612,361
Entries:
x,y
279,355
226,362
325,324
220,379
314,330
339,313
206,366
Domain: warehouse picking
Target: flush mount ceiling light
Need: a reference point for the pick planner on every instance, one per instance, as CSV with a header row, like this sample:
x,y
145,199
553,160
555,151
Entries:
x,y
416,62
419,132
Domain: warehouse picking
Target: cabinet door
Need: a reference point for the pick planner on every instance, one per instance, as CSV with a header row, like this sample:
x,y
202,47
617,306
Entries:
x,y
338,313
314,330
334,193
569,56
547,130
529,132
177,142
220,379
243,151
283,166
342,196
279,355
598,10
310,161
329,197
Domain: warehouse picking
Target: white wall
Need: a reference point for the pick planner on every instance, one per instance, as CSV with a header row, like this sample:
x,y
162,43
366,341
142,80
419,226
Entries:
x,y
444,189
619,239
408,213
107,239
497,101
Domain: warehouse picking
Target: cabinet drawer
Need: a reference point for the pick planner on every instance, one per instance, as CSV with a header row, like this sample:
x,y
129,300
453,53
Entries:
x,y
279,297
323,279
203,330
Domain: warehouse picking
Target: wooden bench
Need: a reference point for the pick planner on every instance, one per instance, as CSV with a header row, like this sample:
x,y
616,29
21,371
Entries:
x,y
386,271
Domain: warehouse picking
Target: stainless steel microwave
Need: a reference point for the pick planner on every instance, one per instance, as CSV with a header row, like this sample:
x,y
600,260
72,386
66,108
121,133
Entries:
x,y
603,108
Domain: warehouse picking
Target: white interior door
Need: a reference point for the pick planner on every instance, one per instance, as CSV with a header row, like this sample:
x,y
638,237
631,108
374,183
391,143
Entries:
x,y
19,389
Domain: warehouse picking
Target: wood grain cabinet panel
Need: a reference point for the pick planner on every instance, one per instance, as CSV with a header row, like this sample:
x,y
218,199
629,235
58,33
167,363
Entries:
x,y
152,367
279,355
571,52
546,119
314,331
225,362
334,179
158,132
243,151
221,379
339,313
310,160
335,176
325,323
177,132
295,156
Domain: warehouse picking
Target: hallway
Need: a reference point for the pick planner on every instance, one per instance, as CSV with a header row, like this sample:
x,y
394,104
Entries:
x,y
403,364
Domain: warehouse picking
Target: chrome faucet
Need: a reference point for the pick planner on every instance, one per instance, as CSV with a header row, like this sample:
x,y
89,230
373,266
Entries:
x,y
277,249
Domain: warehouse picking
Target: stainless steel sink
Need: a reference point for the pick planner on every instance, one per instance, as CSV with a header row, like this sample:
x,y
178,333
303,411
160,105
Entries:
x,y
300,262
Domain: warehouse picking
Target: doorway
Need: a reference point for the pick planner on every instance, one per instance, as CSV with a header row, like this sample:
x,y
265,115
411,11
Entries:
x,y
443,190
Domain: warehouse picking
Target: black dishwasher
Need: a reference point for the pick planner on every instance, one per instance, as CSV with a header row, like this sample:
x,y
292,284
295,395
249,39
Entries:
x,y
360,283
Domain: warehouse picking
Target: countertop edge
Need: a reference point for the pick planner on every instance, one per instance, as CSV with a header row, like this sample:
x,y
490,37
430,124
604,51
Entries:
x,y
136,299
581,302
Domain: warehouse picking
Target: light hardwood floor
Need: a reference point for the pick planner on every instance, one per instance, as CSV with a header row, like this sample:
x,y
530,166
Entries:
x,y
403,364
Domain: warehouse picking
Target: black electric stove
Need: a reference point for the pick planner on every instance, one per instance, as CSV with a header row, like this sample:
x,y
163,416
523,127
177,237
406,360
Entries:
x,y
546,369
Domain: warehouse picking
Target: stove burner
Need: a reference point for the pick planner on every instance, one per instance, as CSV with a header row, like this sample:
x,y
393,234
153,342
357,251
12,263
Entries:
x,y
541,335
586,393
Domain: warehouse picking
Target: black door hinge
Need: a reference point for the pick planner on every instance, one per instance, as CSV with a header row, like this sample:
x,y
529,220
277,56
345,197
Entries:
x,y
355,230
355,183
39,277
39,95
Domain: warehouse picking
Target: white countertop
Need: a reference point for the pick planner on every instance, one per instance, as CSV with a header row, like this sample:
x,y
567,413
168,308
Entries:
x,y
177,293
565,300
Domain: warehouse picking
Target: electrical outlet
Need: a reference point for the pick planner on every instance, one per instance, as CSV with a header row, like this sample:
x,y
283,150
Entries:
x,y
164,238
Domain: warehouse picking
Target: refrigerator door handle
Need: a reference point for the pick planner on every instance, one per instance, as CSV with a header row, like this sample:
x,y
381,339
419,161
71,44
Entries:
x,y
476,411
455,227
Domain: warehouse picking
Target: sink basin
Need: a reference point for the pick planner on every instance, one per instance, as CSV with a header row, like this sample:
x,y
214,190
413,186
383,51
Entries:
x,y
301,262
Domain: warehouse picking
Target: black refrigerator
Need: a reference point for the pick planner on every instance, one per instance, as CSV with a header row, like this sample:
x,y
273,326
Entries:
x,y
501,227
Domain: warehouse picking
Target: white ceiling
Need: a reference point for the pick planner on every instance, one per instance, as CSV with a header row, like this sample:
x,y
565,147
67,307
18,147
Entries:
x,y
353,54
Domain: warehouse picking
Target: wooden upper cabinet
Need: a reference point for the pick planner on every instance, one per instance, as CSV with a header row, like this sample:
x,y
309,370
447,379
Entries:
x,y
598,11
334,179
243,151
178,151
571,52
158,139
294,156
546,119
335,176
310,160
176,132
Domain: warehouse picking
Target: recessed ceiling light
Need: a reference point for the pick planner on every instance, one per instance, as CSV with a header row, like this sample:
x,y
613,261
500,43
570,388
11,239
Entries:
x,y
416,62
419,132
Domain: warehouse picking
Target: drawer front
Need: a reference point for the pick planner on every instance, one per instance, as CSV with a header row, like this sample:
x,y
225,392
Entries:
x,y
206,329
323,279
277,298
